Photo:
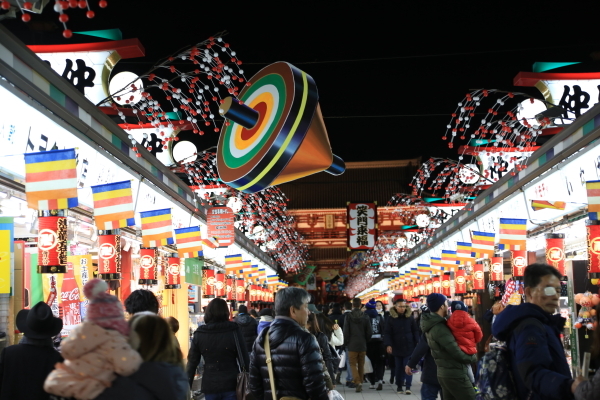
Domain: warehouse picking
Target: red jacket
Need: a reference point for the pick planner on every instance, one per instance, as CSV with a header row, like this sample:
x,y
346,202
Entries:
x,y
465,330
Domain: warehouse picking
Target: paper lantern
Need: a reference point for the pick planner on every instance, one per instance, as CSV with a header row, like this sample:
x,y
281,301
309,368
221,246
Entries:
x,y
220,285
446,284
208,283
240,290
172,272
460,281
437,284
555,251
148,265
109,254
518,260
230,289
478,277
428,287
52,242
593,237
497,269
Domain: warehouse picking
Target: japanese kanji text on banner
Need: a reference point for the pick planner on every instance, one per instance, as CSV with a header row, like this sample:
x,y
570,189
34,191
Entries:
x,y
362,226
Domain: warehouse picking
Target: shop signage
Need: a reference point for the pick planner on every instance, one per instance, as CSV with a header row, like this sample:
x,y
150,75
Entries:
x,y
362,226
208,283
81,270
5,260
193,271
219,221
52,244
494,165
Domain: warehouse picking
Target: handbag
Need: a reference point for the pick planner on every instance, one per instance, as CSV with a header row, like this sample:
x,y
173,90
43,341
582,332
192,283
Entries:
x,y
241,388
342,363
271,373
368,369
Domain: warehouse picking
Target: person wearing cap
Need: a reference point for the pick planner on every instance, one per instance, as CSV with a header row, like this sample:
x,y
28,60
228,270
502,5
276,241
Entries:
x,y
25,366
357,332
430,386
532,332
400,339
466,331
451,361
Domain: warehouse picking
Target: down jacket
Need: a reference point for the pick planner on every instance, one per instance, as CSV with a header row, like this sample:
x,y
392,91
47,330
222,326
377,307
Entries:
x,y
93,355
589,390
451,361
465,330
297,363
401,333
249,327
216,343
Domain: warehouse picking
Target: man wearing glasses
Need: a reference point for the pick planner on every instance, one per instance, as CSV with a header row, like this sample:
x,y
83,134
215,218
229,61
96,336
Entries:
x,y
532,331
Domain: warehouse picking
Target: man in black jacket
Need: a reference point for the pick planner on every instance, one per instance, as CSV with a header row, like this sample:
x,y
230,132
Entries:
x,y
248,325
357,332
295,354
430,385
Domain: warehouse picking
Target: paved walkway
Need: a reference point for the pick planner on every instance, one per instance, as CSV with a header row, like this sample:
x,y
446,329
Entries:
x,y
388,392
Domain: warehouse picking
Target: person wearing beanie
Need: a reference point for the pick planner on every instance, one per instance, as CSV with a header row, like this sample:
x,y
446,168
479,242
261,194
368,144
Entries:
x,y
375,350
96,350
465,330
400,338
451,361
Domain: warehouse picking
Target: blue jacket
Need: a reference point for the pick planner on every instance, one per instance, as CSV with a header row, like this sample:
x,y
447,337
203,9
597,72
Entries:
x,y
262,325
537,356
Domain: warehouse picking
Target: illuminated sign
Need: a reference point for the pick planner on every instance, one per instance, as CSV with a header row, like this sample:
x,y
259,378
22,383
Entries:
x,y
362,226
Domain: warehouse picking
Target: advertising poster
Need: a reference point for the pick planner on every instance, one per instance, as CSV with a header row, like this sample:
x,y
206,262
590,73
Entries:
x,y
220,225
193,271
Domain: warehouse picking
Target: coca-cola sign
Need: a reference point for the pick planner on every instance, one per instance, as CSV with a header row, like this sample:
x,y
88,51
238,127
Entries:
x,y
72,295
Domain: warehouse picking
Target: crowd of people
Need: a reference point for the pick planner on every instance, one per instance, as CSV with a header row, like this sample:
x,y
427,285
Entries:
x,y
295,350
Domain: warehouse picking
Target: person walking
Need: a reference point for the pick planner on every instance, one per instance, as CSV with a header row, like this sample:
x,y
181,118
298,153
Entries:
x,y
375,350
25,366
295,355
400,339
336,315
347,309
248,325
335,334
313,327
466,331
532,332
430,386
218,343
451,361
357,332
266,317
141,301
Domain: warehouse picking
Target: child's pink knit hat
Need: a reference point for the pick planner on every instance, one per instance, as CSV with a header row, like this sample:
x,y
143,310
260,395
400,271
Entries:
x,y
104,310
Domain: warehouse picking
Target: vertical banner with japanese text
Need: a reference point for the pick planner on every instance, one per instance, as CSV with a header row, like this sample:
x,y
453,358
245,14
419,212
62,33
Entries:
x,y
362,226
82,269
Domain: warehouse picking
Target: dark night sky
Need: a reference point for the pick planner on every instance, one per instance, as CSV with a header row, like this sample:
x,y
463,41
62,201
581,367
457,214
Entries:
x,y
411,64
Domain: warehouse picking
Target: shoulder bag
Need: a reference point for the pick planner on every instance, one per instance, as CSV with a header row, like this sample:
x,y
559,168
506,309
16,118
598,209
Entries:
x,y
271,373
241,389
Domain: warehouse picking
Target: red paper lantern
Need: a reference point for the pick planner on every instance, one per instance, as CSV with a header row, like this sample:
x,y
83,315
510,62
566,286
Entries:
x,y
148,263
460,281
555,251
208,283
446,284
172,272
230,289
220,285
240,290
52,243
497,269
593,237
428,287
437,284
478,277
109,255
518,260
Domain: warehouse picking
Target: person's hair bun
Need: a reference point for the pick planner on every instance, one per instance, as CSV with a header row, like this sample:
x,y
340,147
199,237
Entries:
x,y
94,287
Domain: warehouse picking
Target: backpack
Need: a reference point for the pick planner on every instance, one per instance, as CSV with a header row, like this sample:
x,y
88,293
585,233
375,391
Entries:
x,y
494,375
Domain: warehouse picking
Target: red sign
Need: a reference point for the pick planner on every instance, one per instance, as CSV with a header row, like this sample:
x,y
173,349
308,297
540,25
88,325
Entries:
x,y
208,283
497,269
460,281
172,273
220,225
362,226
428,287
593,233
555,251
478,277
437,284
220,285
446,284
240,290
519,262
70,305
148,262
52,245
109,256
230,289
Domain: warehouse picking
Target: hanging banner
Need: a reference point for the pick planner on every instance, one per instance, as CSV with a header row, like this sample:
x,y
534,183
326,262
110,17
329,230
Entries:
x,y
109,257
437,284
593,237
555,251
240,290
230,289
518,259
7,251
113,205
220,285
478,277
192,294
51,289
362,226
189,242
36,290
193,271
148,266
497,269
82,266
52,245
172,273
208,283
70,303
157,228
446,284
460,281
219,221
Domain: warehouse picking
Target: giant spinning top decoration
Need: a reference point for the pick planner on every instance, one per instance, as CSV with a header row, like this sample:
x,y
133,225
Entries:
x,y
276,133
